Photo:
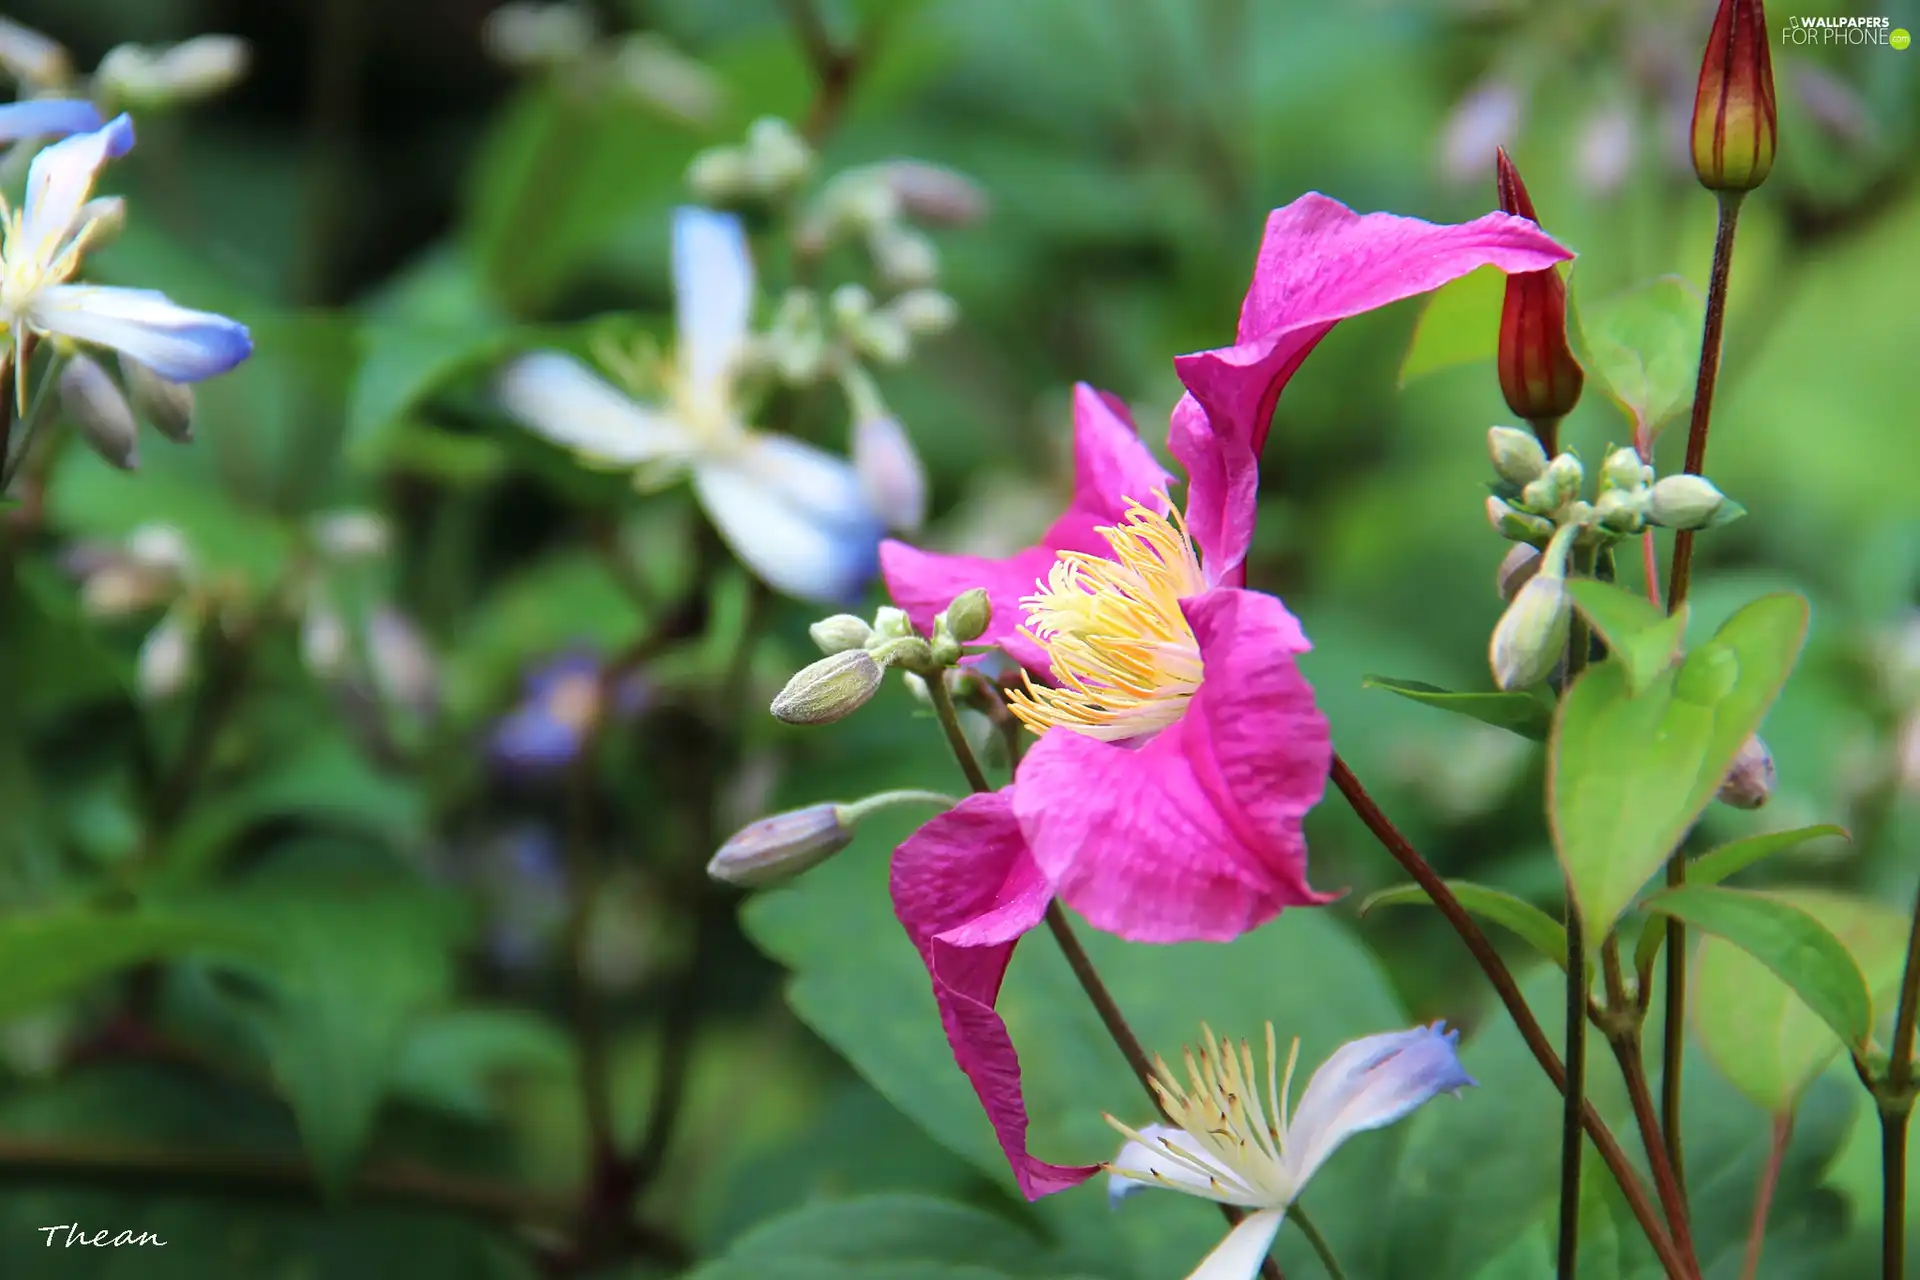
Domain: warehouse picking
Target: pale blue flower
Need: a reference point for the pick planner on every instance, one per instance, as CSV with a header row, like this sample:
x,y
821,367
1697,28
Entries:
x,y
1229,1146
46,118
797,516
44,241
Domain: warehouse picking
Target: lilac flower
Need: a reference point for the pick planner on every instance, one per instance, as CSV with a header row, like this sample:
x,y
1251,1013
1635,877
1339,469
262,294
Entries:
x,y
560,703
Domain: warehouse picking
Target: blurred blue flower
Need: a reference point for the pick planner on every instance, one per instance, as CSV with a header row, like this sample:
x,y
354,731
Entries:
x,y
559,703
798,517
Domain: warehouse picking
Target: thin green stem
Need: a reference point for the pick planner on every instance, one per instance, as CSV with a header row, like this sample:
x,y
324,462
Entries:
x,y
1763,1196
1900,1064
1893,1191
1679,576
1321,1248
956,737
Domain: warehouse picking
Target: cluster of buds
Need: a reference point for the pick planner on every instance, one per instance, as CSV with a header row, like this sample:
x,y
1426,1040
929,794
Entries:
x,y
105,412
771,164
153,569
860,653
883,206
810,340
566,38
374,649
129,76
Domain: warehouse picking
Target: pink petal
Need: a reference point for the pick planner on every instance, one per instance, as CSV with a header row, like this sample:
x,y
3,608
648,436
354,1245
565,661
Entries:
x,y
1223,484
1320,262
1195,833
965,888
1111,464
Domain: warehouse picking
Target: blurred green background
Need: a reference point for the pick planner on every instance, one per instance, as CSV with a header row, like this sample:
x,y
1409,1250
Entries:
x,y
394,213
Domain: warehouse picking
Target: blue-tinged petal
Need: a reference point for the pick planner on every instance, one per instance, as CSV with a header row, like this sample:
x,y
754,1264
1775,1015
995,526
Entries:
x,y
713,295
1367,1084
47,118
1239,1256
564,401
179,344
795,515
891,473
60,179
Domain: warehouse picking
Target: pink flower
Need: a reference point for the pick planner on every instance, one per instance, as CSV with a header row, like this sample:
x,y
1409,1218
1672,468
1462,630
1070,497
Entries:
x,y
1180,747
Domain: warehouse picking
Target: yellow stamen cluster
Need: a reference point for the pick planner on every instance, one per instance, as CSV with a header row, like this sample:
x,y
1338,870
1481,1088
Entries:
x,y
1124,659
1221,1111
26,269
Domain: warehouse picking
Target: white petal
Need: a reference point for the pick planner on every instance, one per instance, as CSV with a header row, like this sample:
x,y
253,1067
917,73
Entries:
x,y
175,342
561,399
890,470
1239,1256
60,179
795,516
166,658
1369,1083
1176,1172
713,295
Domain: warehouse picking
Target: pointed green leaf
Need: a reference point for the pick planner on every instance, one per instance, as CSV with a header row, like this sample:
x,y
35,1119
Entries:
x,y
1459,324
1643,346
1729,859
1759,1034
52,953
1642,637
1532,925
1628,775
1790,942
1520,713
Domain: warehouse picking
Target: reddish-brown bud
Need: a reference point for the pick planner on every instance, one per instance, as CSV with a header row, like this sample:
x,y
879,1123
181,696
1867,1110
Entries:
x,y
1538,374
1735,124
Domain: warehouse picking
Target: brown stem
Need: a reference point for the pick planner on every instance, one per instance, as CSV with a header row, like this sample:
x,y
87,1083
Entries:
x,y
1628,1052
1763,1197
1677,1265
834,69
1893,1191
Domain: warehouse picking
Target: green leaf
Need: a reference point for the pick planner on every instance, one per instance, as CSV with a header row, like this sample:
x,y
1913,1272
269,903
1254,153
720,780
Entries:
x,y
1638,635
1643,347
1788,940
1459,324
1628,775
405,363
1716,865
1533,926
1763,1037
52,953
1520,713
884,1237
358,960
459,1060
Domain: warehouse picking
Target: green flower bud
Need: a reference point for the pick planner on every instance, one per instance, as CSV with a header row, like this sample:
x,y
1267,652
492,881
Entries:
x,y
1517,455
1532,634
1566,475
1515,525
1691,502
1624,470
1620,510
969,615
1751,780
891,624
850,304
166,404
781,847
831,689
841,632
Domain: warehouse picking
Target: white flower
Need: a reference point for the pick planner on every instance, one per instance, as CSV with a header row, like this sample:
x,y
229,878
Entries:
x,y
1226,1146
41,245
796,515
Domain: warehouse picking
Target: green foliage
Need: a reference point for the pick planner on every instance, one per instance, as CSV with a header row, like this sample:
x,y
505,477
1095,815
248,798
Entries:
x,y
1547,936
1459,324
1643,346
1523,713
1639,636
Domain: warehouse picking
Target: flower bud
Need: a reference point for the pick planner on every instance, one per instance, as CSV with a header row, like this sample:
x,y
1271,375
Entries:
x,y
890,623
779,157
850,304
910,652
1538,374
1621,510
1735,123
159,547
969,615
1623,469
1516,570
890,472
1689,502
902,255
1532,634
781,847
830,689
166,404
32,59
1515,525
841,632
924,311
1565,475
1751,780
1517,455
98,408
720,176
934,194
166,658
203,66
527,36
881,337
659,74
352,535
943,651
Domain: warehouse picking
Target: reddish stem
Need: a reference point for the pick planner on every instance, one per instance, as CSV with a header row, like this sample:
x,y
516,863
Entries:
x,y
1763,1198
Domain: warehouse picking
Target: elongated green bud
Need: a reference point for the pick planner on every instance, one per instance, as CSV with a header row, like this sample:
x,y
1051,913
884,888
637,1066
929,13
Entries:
x,y
841,632
1517,455
831,689
781,847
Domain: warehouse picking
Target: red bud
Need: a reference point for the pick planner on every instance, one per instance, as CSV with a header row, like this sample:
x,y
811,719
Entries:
x,y
1735,124
1538,374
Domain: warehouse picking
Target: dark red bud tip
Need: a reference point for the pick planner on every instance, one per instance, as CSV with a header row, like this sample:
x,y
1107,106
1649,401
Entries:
x,y
1512,192
1735,122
